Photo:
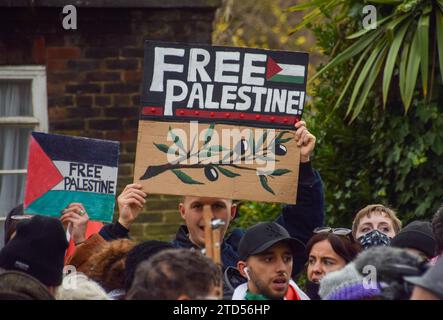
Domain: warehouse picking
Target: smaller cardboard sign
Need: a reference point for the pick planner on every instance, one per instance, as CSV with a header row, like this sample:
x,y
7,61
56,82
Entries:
x,y
201,160
63,170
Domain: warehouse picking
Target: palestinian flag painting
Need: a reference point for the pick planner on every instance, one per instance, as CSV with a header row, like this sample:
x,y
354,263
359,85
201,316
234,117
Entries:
x,y
282,72
64,169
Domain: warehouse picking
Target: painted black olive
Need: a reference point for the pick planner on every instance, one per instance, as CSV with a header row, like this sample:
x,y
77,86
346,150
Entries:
x,y
211,173
241,147
280,149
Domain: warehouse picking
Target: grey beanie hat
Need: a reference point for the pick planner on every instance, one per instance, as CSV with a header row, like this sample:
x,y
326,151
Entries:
x,y
333,280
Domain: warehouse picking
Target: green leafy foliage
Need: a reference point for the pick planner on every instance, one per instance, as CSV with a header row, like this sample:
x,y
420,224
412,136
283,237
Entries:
x,y
384,156
401,25
251,212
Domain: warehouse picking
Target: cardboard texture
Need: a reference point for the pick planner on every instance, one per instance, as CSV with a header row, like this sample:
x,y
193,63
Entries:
x,y
219,121
63,170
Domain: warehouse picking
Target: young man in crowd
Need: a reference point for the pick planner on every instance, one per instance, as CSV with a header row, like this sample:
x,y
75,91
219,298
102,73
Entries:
x,y
266,254
176,274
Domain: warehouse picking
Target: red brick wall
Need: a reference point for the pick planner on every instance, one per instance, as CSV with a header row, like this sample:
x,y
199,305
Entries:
x,y
94,75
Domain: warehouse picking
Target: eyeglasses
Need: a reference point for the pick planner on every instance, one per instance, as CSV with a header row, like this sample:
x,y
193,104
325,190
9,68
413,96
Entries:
x,y
21,217
336,231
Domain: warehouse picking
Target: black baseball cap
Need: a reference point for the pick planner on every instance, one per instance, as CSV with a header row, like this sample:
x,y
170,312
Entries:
x,y
264,235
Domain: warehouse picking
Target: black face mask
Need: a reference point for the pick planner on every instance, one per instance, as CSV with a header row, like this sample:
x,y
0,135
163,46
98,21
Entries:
x,y
374,238
312,290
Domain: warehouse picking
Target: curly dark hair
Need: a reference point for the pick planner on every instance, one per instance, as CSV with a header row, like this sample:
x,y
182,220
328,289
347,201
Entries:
x,y
172,273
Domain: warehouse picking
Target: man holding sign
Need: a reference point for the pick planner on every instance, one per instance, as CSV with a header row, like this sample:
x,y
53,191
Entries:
x,y
299,219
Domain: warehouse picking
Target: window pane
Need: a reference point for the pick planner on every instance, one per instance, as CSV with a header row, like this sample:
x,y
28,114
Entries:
x,y
14,147
13,155
12,187
15,98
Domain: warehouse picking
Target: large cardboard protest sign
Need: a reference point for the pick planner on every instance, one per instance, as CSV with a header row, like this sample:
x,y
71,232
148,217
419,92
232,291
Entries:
x,y
219,121
63,170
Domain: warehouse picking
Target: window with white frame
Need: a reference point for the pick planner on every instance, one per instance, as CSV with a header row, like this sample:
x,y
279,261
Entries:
x,y
23,109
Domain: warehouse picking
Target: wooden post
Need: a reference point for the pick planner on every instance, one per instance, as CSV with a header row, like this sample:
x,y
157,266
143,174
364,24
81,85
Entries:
x,y
216,252
216,246
207,217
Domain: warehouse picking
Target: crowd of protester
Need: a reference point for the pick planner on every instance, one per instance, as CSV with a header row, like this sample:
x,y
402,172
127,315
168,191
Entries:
x,y
375,259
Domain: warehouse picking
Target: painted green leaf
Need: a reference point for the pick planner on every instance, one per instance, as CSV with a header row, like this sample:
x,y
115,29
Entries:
x,y
261,140
228,156
280,134
280,172
209,132
251,144
280,139
176,139
162,147
285,140
226,172
217,149
185,178
265,185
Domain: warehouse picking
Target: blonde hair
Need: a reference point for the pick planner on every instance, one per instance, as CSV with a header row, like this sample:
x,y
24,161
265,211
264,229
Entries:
x,y
77,286
376,208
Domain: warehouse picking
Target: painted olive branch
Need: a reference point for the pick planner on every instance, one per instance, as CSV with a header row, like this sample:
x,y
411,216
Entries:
x,y
212,170
153,171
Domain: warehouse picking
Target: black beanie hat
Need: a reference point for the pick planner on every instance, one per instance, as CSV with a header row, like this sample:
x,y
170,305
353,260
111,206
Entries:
x,y
38,249
11,224
416,235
